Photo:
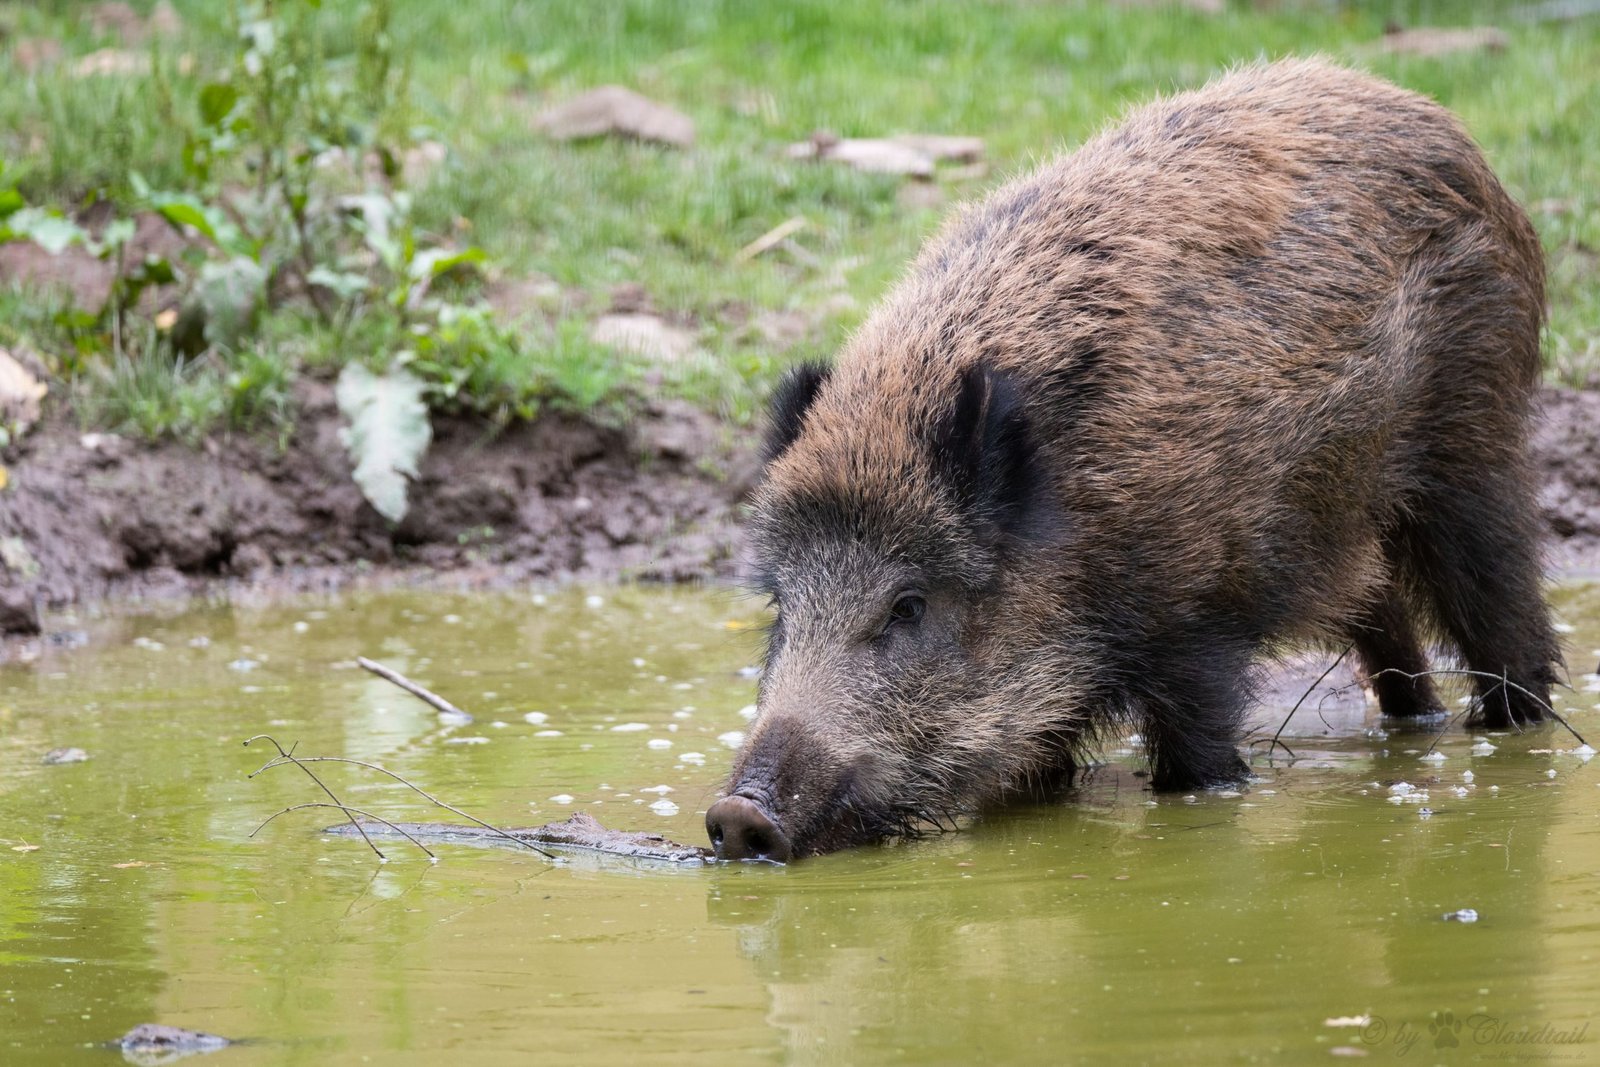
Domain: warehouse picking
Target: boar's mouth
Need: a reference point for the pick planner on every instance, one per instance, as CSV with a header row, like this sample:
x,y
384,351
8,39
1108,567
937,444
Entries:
x,y
741,829
746,825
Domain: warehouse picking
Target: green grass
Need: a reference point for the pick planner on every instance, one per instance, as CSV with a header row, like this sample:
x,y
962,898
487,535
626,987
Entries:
x,y
1031,78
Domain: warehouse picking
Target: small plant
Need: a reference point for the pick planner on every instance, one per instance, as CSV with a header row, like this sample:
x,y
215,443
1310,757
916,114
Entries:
x,y
292,209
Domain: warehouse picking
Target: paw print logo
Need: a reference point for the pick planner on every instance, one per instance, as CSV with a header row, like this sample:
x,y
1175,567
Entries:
x,y
1445,1029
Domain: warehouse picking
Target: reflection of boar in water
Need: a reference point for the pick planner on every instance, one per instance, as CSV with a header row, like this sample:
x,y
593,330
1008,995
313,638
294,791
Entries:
x,y
1253,368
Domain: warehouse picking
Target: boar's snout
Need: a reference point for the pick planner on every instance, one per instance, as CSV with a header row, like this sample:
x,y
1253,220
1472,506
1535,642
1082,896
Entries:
x,y
740,830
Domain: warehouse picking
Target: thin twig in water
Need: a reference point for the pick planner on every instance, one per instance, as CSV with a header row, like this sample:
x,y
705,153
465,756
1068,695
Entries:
x,y
1275,743
288,755
411,786
352,812
411,687
1504,682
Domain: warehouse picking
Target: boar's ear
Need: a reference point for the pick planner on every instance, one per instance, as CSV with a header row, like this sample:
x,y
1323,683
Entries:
x,y
790,402
986,450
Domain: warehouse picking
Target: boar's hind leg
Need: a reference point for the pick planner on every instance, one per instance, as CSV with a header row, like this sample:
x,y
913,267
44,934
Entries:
x,y
1474,547
1194,701
1393,658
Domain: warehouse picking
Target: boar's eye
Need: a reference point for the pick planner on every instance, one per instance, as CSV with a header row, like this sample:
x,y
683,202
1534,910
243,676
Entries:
x,y
908,608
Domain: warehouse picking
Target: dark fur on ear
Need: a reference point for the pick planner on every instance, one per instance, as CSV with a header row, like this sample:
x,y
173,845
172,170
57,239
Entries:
x,y
984,447
790,402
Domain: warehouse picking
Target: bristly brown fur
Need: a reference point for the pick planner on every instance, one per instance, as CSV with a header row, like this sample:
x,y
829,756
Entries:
x,y
1254,366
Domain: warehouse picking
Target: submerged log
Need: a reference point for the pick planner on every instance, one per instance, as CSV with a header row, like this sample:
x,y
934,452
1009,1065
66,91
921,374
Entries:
x,y
580,833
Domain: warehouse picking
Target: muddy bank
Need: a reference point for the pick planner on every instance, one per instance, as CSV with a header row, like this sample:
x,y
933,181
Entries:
x,y
1567,458
89,516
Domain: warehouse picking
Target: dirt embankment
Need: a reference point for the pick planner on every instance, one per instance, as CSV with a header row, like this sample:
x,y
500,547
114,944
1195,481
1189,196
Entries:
x,y
89,516
1567,458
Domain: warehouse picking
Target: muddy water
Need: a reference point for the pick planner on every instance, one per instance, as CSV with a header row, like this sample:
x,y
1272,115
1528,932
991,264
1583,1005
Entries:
x,y
1298,921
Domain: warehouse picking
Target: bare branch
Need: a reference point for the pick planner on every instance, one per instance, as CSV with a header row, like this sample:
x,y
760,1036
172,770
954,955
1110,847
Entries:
x,y
288,756
352,812
411,786
411,687
1276,743
1504,683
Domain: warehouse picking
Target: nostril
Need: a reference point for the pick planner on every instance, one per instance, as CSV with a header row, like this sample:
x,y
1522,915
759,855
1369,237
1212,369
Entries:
x,y
740,830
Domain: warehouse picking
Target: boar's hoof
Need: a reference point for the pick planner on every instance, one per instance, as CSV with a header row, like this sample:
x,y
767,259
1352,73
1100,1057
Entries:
x,y
740,830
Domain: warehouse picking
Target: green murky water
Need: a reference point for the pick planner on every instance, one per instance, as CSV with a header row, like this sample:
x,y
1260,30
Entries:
x,y
1119,929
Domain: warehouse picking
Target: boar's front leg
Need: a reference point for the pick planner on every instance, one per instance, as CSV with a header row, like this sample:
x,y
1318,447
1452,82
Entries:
x,y
1193,694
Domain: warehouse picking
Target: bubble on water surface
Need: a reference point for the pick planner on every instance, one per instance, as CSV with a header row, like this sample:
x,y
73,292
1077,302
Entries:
x,y
536,718
733,738
658,743
629,727
664,807
561,798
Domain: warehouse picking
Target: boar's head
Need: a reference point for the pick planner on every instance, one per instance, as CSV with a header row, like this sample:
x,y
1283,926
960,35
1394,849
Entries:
x,y
905,533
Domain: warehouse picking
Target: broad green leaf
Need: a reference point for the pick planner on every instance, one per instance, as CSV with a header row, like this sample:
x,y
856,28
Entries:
x,y
434,262
49,231
216,101
344,285
376,215
180,213
181,210
387,434
116,234
10,202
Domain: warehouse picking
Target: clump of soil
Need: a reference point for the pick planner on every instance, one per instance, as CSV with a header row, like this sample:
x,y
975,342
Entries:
x,y
91,515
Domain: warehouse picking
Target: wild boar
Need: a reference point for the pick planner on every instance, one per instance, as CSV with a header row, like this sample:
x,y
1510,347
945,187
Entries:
x,y
1252,369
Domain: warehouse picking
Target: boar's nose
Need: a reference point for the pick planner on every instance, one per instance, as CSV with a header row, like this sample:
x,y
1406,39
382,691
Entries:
x,y
740,830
